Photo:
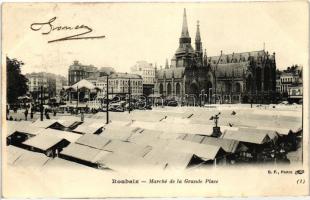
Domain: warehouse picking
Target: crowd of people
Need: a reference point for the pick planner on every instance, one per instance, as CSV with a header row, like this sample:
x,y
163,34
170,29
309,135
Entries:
x,y
28,111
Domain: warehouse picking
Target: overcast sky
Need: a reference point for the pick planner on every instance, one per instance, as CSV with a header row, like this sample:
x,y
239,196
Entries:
x,y
151,32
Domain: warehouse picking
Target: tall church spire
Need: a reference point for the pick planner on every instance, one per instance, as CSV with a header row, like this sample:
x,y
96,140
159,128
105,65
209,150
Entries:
x,y
184,33
198,45
167,64
185,53
198,33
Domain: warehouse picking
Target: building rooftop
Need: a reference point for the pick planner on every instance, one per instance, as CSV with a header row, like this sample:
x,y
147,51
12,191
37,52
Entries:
x,y
240,57
124,76
176,72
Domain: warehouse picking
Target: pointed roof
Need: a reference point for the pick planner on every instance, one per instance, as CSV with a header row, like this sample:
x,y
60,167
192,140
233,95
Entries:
x,y
167,65
184,33
198,38
83,84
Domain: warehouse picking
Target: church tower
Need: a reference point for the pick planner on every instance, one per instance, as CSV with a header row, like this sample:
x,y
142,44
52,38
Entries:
x,y
185,52
198,46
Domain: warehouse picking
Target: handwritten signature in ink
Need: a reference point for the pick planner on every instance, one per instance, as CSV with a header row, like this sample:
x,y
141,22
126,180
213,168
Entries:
x,y
50,27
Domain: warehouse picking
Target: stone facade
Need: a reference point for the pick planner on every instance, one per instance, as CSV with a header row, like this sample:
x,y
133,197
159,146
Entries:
x,y
227,78
78,72
147,71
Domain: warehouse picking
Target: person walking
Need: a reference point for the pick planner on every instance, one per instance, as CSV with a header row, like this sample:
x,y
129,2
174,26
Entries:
x,y
7,111
46,114
26,114
31,112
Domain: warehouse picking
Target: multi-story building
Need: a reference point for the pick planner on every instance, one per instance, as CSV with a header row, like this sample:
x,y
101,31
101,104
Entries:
x,y
52,84
119,84
35,81
287,79
236,77
147,72
78,72
278,85
295,91
289,83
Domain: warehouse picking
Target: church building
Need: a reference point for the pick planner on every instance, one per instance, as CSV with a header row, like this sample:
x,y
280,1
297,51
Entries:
x,y
231,78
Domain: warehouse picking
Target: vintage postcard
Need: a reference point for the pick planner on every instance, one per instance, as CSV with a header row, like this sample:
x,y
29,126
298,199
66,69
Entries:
x,y
155,99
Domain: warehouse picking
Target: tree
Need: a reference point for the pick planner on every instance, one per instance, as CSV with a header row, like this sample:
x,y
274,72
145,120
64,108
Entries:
x,y
16,82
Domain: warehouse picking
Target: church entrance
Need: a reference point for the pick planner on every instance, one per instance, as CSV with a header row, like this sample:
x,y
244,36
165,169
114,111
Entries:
x,y
193,94
193,89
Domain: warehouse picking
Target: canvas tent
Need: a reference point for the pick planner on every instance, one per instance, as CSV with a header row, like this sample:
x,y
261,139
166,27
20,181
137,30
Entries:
x,y
94,141
89,128
46,143
46,123
124,162
70,136
254,137
204,151
83,154
227,145
127,148
167,159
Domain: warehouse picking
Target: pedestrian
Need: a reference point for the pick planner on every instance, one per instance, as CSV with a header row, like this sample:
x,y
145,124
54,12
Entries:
x,y
47,115
54,111
82,115
26,114
31,112
7,110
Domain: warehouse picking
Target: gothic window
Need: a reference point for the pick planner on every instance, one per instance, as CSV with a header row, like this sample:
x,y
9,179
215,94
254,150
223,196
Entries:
x,y
161,88
228,87
169,88
238,87
178,89
249,83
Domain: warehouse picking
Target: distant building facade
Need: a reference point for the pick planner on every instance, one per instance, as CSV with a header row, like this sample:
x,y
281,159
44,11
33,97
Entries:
x,y
147,72
119,84
278,85
78,72
286,80
227,78
290,83
35,81
52,84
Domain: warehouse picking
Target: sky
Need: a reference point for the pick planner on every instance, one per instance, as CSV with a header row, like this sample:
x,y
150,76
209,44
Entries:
x,y
151,31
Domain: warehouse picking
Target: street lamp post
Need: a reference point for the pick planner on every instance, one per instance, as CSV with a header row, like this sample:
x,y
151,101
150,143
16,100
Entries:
x,y
210,89
107,108
186,99
129,92
78,98
41,106
153,95
205,97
